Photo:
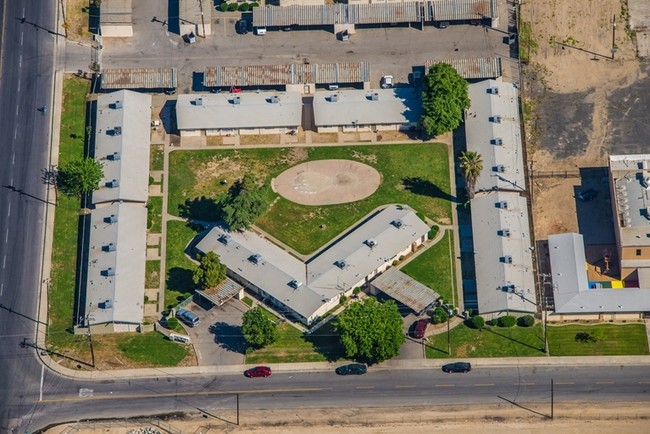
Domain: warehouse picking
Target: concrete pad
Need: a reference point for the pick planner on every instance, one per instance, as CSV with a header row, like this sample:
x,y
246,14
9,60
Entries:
x,y
153,239
156,175
153,253
231,140
150,309
155,190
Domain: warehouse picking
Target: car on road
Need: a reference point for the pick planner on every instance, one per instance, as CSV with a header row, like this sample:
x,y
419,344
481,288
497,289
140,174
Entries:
x,y
242,27
258,371
457,367
352,369
188,317
587,195
386,82
419,328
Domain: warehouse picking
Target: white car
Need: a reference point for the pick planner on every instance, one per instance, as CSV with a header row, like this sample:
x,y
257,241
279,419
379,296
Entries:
x,y
259,31
387,82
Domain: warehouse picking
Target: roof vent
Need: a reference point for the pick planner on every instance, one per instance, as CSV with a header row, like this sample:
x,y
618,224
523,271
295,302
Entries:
x,y
117,105
374,96
114,156
334,97
274,99
506,259
397,223
106,304
295,284
256,259
198,101
495,119
225,239
117,131
110,219
370,243
236,100
110,247
508,288
503,232
499,168
113,183
496,141
340,263
108,272
493,90
501,204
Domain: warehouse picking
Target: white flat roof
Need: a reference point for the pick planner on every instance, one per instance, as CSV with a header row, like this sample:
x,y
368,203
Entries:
x,y
124,289
254,110
321,279
503,165
402,105
502,253
571,289
122,140
631,199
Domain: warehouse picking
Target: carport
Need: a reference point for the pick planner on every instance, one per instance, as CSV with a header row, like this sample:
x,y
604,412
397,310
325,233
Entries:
x,y
404,289
222,292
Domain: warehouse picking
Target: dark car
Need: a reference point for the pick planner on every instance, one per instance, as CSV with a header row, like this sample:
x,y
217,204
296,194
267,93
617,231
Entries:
x,y
258,371
242,27
587,195
419,328
352,369
457,367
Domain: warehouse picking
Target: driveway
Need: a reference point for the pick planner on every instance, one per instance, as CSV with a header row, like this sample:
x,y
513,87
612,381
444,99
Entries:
x,y
411,348
218,339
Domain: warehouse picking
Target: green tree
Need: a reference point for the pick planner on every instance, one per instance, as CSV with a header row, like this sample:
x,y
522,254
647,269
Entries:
x,y
444,99
246,201
478,322
471,163
210,271
439,315
258,330
80,176
371,330
526,321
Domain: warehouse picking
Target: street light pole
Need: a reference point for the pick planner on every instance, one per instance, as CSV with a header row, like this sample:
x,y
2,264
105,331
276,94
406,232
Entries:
x,y
448,338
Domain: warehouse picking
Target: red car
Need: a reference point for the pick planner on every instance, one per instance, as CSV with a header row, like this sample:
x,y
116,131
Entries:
x,y
419,328
258,371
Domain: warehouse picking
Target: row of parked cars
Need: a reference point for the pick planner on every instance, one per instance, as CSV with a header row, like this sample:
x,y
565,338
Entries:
x,y
357,369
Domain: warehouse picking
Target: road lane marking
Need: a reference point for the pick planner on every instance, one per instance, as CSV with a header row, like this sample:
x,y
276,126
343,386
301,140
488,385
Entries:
x,y
483,384
182,394
6,235
4,261
2,288
13,159
20,61
15,135
22,35
19,85
604,382
365,387
445,385
405,387
9,210
559,384
644,382
523,384
40,395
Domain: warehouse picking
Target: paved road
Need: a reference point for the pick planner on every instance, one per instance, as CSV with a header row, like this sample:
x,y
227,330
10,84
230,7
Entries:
x,y
27,66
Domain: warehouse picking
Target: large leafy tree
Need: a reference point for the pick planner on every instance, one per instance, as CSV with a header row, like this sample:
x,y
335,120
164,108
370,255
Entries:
x,y
471,164
210,271
444,99
371,330
80,176
246,201
258,330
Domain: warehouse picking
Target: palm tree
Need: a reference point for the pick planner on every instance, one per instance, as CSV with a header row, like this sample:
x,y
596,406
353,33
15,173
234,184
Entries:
x,y
472,164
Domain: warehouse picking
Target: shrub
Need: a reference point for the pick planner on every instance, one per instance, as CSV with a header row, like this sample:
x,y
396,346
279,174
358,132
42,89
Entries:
x,y
356,290
433,232
525,321
439,315
506,321
255,5
244,7
172,323
477,322
343,299
421,216
232,7
224,7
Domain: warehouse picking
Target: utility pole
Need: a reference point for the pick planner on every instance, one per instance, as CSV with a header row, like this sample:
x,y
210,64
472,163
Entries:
x,y
90,337
448,338
552,398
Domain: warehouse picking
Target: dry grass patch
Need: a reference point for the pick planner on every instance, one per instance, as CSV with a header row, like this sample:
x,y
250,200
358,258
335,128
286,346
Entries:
x,y
214,140
324,137
259,139
76,17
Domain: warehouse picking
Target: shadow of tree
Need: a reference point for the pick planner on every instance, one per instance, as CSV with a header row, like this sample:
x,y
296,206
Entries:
x,y
180,279
326,342
425,187
229,337
201,208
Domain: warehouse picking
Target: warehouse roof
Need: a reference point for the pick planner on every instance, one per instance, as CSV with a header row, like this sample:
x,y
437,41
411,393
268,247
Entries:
x,y
116,264
239,110
478,68
631,181
405,289
122,139
401,105
139,78
459,10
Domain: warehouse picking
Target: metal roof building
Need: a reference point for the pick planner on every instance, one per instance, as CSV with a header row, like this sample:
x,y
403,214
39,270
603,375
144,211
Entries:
x,y
139,78
116,18
222,292
397,106
122,139
502,253
116,267
308,290
280,75
492,128
470,69
460,10
236,111
572,292
405,289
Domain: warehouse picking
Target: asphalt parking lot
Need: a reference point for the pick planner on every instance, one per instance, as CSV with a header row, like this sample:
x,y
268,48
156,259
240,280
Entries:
x,y
218,339
389,50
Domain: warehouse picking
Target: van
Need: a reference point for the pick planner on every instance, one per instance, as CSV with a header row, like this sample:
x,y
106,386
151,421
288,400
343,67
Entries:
x,y
242,27
188,317
179,338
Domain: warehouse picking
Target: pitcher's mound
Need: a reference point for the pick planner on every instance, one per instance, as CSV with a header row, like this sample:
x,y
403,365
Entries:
x,y
326,182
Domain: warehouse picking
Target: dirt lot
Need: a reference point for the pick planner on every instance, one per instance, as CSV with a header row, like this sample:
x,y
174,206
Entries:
x,y
585,104
489,419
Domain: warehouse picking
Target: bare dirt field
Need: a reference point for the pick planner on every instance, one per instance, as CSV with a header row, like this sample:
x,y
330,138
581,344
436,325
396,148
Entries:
x,y
627,418
585,105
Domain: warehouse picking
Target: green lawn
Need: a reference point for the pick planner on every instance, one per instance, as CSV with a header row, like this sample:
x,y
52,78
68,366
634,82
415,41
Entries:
x,y
178,277
156,158
610,339
153,349
490,342
434,267
413,174
152,274
66,222
154,214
